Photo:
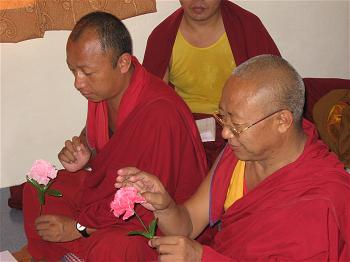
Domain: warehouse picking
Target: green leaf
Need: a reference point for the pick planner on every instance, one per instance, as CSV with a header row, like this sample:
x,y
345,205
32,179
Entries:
x,y
54,192
48,185
34,183
41,197
152,227
140,233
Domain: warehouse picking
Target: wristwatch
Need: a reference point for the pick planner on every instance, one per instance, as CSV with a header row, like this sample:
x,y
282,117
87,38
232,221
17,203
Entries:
x,y
82,230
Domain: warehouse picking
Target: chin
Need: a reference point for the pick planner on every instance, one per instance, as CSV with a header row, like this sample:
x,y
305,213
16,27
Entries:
x,y
244,156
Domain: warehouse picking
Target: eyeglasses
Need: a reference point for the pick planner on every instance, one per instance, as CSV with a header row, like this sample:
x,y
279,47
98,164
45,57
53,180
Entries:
x,y
237,131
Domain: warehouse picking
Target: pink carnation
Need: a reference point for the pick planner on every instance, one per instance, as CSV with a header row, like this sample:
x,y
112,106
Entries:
x,y
124,201
42,171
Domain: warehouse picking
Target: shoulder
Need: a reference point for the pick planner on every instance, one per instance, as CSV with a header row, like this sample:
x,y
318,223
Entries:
x,y
329,185
161,93
232,9
166,107
166,25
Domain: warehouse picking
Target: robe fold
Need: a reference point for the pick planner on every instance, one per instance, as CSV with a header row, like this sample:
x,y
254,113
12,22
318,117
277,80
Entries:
x,y
247,37
155,132
299,213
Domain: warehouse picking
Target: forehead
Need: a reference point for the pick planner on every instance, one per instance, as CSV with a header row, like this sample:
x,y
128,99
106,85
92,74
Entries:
x,y
239,93
85,50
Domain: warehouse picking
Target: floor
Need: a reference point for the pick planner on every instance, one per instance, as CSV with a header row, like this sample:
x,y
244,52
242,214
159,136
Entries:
x,y
12,235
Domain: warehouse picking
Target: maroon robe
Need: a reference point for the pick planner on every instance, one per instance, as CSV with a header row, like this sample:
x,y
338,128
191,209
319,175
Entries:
x,y
247,37
155,132
299,213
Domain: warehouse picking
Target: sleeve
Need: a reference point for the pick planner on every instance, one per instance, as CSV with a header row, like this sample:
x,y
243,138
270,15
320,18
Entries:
x,y
210,254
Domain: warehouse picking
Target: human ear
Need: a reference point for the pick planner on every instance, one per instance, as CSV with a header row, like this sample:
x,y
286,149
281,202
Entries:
x,y
285,121
124,63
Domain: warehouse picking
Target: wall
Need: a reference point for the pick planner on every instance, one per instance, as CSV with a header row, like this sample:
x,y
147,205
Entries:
x,y
40,109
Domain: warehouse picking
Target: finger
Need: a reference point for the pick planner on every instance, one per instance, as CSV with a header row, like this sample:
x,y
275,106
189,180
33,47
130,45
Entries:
x,y
128,171
67,153
126,183
164,240
153,198
47,235
43,218
77,144
83,148
169,249
151,242
43,226
70,146
66,156
168,258
131,178
43,232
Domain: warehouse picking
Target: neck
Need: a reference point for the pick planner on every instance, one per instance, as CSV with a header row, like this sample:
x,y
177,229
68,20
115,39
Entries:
x,y
202,33
114,102
286,153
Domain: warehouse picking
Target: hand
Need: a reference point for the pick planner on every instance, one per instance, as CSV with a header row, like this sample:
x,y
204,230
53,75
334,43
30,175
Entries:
x,y
74,155
157,198
177,248
56,228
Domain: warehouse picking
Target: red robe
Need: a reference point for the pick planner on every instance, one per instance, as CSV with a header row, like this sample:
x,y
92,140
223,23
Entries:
x,y
247,37
299,213
155,132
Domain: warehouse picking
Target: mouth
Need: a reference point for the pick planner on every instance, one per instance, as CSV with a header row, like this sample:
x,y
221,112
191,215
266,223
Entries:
x,y
86,94
198,9
235,147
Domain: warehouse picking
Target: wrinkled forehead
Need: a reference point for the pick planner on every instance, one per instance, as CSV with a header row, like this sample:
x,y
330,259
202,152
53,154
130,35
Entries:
x,y
238,91
242,97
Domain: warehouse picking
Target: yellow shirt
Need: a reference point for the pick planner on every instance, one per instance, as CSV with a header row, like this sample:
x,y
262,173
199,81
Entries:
x,y
199,74
236,188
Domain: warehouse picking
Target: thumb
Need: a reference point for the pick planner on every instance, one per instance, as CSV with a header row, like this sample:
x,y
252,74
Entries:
x,y
158,200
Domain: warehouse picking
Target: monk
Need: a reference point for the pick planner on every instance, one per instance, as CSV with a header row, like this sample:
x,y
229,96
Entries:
x,y
133,119
275,193
196,48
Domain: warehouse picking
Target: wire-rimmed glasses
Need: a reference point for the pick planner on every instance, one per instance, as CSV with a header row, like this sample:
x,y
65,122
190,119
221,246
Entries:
x,y
238,129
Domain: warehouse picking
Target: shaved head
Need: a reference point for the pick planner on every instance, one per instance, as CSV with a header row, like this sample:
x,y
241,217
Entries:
x,y
277,83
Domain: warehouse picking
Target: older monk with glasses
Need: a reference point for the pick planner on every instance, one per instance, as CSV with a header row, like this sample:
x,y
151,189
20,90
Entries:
x,y
275,192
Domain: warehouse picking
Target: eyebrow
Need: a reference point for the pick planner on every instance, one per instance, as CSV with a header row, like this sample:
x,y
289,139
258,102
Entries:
x,y
230,115
81,66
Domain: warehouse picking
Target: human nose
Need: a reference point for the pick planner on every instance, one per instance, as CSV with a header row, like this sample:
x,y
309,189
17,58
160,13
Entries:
x,y
226,132
79,81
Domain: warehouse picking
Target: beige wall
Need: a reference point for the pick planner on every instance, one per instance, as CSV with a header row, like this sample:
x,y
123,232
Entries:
x,y
40,109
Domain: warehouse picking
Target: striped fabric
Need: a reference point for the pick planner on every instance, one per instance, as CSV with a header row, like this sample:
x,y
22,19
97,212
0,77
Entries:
x,y
70,257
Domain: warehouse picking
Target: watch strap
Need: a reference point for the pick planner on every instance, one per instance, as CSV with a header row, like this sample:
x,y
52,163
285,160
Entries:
x,y
82,230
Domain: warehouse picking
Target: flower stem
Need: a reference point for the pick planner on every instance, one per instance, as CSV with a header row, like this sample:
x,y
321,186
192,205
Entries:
x,y
139,218
41,209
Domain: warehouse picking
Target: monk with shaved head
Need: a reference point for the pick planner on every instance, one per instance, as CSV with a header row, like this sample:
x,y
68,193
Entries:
x,y
275,192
